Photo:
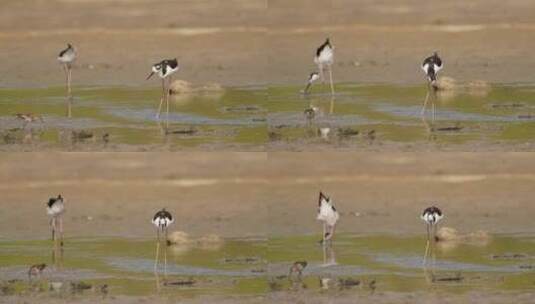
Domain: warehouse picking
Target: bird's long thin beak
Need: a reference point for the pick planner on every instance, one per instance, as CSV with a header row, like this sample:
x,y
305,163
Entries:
x,y
150,75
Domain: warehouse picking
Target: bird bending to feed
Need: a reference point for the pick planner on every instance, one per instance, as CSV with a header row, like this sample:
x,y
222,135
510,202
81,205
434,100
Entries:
x,y
28,118
431,66
66,57
55,207
36,270
328,215
164,69
162,219
431,216
311,112
313,77
325,57
297,268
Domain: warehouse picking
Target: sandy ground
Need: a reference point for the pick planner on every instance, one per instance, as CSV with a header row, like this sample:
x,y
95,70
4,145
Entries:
x,y
258,42
264,194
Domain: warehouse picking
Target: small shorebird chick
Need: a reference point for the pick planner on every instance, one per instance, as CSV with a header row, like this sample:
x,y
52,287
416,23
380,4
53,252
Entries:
x,y
325,57
36,270
311,112
431,216
431,66
328,215
55,207
66,57
164,69
162,219
297,268
313,77
28,118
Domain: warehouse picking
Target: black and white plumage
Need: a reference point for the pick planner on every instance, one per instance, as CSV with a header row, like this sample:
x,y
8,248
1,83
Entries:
x,y
68,55
325,53
311,112
328,215
432,215
162,219
324,57
313,77
431,66
55,207
164,69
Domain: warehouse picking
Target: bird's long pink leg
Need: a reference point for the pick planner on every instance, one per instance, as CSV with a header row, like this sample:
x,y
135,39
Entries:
x,y
324,231
427,245
165,255
69,79
53,225
161,99
157,250
167,101
331,78
61,229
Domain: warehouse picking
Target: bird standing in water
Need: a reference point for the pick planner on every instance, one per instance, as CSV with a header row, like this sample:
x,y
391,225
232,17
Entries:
x,y
66,57
164,69
431,216
325,58
328,215
431,66
162,219
313,77
55,207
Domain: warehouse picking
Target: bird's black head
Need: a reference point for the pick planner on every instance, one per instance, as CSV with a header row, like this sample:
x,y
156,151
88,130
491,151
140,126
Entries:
x,y
60,197
69,45
322,197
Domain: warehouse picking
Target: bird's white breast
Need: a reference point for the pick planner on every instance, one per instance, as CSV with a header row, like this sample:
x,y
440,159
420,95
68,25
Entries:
x,y
326,56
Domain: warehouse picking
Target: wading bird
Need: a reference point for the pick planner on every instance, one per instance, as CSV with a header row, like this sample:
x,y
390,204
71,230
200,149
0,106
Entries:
x,y
325,58
328,215
36,270
162,219
55,207
297,269
313,77
431,216
28,118
164,69
66,58
431,66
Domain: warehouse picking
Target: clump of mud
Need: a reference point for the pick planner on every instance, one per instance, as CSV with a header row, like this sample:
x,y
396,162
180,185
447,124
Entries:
x,y
184,87
181,242
449,88
448,237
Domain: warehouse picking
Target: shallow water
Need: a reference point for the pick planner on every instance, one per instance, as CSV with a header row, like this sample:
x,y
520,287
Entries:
x,y
257,267
256,116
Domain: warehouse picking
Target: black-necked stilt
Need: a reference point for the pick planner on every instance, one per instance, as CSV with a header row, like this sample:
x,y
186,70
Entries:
x,y
66,58
431,216
328,215
162,219
431,66
28,118
313,77
36,271
325,57
164,69
55,207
